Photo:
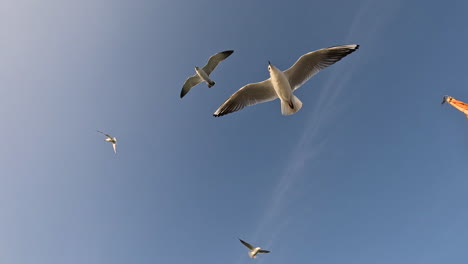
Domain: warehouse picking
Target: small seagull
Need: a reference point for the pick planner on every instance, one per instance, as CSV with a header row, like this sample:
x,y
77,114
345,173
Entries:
x,y
253,250
281,84
203,73
111,139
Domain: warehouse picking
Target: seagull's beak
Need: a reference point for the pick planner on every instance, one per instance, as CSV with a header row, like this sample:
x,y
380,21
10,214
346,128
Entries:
x,y
269,63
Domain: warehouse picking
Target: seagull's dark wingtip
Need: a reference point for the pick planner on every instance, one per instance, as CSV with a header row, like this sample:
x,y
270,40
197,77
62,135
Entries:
x,y
227,53
444,99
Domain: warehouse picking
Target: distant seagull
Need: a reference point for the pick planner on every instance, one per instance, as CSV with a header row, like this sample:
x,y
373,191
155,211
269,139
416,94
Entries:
x,y
253,250
282,84
203,73
111,139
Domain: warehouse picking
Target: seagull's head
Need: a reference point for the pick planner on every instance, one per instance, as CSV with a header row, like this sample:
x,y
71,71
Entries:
x,y
272,68
196,68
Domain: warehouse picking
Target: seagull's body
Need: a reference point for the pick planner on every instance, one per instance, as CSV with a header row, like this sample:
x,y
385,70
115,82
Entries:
x,y
111,139
203,74
253,250
289,102
281,84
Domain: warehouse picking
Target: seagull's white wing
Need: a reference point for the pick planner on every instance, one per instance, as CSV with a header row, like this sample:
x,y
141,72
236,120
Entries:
x,y
107,135
215,59
250,94
114,145
263,251
189,83
246,244
311,63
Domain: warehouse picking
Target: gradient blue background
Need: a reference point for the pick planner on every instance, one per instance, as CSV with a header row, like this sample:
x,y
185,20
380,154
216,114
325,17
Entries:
x,y
371,170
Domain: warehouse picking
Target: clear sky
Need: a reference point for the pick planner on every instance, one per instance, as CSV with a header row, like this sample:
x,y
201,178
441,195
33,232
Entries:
x,y
372,169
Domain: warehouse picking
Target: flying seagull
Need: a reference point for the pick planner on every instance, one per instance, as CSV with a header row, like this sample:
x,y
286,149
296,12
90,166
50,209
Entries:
x,y
253,250
281,84
202,74
111,139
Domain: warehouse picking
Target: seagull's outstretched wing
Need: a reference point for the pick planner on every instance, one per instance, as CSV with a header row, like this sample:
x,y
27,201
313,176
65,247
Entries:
x,y
311,63
246,244
215,59
189,83
250,94
114,145
263,251
107,135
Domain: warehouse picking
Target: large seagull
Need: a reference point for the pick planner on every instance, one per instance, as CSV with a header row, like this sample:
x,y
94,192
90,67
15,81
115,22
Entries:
x,y
281,84
253,250
202,74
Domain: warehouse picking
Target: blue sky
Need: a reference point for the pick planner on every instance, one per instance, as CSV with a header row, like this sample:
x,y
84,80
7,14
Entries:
x,y
372,169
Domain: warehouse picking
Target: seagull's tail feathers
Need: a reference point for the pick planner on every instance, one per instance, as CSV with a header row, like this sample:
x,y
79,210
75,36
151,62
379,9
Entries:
x,y
291,107
251,254
211,84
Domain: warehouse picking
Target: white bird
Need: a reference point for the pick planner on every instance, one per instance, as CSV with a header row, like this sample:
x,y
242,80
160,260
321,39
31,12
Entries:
x,y
202,74
253,250
281,84
111,139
